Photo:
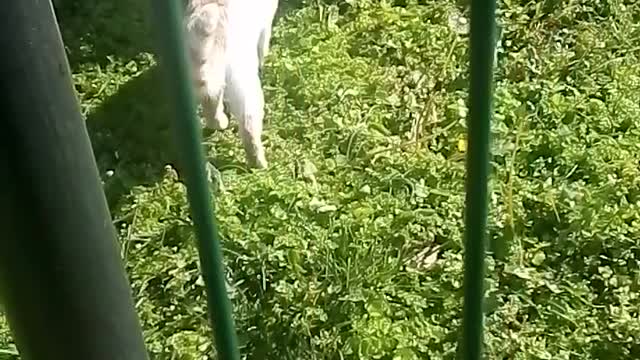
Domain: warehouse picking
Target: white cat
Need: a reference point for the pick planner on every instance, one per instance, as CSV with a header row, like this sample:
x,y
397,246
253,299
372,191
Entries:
x,y
228,41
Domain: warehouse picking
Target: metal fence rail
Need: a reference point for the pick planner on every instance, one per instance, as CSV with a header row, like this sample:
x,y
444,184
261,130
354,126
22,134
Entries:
x,y
168,17
476,210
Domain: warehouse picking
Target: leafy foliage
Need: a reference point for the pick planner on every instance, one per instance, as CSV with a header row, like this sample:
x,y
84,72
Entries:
x,y
349,246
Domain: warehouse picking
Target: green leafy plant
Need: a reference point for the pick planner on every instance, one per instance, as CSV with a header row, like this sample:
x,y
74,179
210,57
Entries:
x,y
349,246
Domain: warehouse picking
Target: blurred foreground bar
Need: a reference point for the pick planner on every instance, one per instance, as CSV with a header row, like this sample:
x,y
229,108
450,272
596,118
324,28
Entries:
x,y
62,281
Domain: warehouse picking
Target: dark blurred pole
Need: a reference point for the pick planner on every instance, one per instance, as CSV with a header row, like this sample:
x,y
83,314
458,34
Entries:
x,y
62,282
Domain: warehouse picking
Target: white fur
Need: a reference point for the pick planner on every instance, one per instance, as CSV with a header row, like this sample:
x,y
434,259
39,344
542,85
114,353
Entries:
x,y
228,41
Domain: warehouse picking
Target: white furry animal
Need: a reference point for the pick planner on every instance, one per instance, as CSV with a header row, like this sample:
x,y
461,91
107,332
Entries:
x,y
228,41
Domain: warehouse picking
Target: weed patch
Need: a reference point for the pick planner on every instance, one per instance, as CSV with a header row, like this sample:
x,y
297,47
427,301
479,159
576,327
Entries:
x,y
350,245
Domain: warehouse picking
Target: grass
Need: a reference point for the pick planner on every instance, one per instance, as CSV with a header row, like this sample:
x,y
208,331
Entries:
x,y
349,246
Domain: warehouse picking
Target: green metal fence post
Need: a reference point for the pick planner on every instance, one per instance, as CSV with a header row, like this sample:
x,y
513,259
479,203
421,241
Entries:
x,y
62,282
168,17
476,212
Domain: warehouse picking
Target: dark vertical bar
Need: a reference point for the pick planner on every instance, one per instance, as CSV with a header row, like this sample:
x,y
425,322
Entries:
x,y
479,125
62,282
168,17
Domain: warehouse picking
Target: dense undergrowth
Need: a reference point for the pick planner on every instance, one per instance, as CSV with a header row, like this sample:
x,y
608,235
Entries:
x,y
349,246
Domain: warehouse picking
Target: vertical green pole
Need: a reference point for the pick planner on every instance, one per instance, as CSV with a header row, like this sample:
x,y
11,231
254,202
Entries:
x,y
168,17
479,126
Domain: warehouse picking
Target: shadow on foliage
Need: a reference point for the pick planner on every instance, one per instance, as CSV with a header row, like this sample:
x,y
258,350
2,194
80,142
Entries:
x,y
95,31
131,135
